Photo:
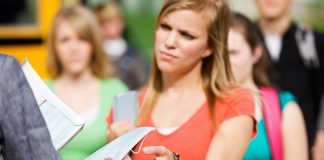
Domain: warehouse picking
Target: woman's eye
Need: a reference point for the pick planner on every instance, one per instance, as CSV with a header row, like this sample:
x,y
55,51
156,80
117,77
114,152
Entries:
x,y
187,36
233,52
64,39
82,39
165,26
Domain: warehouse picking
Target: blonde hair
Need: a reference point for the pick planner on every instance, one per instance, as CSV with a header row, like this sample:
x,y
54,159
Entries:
x,y
87,27
216,70
108,12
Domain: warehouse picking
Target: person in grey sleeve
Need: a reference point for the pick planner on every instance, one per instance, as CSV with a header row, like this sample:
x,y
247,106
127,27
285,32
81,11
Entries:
x,y
23,132
318,147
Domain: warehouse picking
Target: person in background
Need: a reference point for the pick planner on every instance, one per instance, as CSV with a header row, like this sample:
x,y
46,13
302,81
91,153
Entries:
x,y
128,64
318,148
23,131
191,96
78,65
249,63
297,54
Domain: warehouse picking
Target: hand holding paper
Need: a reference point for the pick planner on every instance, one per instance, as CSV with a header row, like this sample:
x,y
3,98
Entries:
x,y
121,146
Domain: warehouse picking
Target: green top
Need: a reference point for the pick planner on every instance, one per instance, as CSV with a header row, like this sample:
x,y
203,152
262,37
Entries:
x,y
259,147
92,137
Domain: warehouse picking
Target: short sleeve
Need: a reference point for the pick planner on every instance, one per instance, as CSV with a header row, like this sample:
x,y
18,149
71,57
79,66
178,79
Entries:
x,y
239,103
286,97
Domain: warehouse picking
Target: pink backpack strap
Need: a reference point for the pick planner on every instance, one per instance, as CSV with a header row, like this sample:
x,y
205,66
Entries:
x,y
272,118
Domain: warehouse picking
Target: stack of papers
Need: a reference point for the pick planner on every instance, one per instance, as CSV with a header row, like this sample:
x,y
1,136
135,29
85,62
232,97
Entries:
x,y
62,122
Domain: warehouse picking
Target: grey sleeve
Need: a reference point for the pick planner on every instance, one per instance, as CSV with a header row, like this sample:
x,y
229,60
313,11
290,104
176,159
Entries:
x,y
321,115
23,132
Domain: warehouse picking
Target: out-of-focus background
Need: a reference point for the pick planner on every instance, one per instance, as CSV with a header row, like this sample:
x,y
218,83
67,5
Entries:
x,y
24,24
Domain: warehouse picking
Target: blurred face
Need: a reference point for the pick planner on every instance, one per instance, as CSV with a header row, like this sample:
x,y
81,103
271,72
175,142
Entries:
x,y
181,41
273,8
113,29
241,56
73,52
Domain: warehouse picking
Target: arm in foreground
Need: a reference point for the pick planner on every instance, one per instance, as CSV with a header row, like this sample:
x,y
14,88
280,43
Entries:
x,y
232,139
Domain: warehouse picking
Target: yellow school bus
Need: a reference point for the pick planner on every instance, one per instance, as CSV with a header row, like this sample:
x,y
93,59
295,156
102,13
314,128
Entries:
x,y
23,31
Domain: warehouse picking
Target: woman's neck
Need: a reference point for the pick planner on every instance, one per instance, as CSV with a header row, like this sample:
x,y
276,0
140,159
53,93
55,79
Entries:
x,y
85,77
276,26
249,84
183,83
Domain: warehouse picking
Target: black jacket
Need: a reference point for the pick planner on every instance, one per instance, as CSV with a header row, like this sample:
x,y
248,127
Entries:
x,y
306,83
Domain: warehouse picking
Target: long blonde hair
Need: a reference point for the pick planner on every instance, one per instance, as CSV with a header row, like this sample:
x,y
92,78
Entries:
x,y
216,71
87,27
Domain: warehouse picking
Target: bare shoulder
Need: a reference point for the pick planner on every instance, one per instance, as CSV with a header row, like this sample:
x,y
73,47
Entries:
x,y
292,110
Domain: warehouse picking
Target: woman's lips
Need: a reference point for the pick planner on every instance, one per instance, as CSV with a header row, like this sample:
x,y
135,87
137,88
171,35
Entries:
x,y
167,56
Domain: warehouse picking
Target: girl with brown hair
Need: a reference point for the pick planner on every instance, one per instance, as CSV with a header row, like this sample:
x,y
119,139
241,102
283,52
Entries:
x,y
281,137
78,65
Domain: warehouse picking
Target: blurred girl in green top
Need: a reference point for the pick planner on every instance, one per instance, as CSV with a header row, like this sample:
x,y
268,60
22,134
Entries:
x,y
80,70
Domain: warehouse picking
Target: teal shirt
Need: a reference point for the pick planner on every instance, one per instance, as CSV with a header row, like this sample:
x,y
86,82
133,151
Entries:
x,y
93,137
259,147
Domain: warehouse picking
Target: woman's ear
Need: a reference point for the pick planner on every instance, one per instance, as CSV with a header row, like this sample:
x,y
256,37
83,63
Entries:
x,y
257,54
207,53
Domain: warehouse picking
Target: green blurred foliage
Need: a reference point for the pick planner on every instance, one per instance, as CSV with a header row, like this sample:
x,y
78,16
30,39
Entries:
x,y
314,16
140,32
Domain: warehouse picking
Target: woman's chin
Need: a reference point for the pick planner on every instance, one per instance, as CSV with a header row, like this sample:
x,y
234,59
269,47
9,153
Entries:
x,y
166,68
76,71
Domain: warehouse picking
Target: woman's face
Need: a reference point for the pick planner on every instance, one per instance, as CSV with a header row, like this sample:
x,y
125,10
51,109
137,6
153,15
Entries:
x,y
181,41
112,29
241,56
74,53
271,9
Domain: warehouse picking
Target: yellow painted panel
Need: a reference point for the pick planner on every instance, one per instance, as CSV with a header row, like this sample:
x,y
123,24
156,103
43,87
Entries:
x,y
36,55
47,11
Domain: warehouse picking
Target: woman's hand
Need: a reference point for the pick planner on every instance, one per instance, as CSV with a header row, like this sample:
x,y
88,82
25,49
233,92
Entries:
x,y
318,148
116,129
160,152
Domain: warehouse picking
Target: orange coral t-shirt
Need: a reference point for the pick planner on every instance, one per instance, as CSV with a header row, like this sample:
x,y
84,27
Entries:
x,y
192,139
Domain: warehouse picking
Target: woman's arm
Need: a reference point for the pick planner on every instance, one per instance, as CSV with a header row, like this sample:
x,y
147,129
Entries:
x,y
294,133
318,147
232,139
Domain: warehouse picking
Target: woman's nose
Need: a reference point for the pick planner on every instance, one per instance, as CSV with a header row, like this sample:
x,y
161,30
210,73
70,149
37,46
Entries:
x,y
171,40
75,45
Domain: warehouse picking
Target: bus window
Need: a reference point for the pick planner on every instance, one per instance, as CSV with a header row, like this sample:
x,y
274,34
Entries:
x,y
18,12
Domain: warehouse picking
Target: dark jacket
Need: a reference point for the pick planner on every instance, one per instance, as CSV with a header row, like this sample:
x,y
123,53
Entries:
x,y
23,132
289,73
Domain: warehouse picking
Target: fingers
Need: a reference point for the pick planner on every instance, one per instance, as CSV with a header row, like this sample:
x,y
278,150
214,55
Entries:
x,y
116,129
155,150
121,127
160,152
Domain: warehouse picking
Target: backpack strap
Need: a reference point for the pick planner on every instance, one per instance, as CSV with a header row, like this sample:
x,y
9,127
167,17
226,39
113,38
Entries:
x,y
272,117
